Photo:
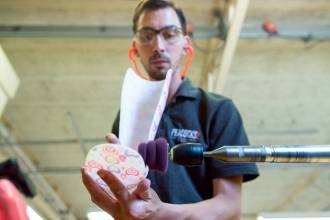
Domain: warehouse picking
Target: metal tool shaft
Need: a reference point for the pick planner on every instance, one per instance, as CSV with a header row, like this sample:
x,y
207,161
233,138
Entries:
x,y
273,154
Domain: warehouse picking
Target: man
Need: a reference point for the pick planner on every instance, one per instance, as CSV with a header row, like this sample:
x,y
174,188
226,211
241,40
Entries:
x,y
209,191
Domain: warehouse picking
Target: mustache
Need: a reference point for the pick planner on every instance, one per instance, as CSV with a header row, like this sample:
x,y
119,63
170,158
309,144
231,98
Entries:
x,y
161,56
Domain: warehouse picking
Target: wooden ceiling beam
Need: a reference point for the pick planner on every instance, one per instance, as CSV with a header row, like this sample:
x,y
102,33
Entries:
x,y
240,8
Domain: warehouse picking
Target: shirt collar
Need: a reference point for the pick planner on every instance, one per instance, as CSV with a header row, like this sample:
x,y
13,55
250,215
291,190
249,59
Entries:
x,y
186,89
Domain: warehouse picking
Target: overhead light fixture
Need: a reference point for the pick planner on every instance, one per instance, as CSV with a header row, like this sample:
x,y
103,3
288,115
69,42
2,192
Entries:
x,y
3,101
33,215
98,215
8,80
295,216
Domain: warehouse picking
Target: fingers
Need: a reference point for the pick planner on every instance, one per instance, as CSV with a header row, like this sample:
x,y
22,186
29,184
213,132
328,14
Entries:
x,y
115,185
142,190
90,185
112,139
98,195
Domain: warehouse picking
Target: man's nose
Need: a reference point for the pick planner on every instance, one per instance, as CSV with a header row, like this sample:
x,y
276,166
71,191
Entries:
x,y
159,44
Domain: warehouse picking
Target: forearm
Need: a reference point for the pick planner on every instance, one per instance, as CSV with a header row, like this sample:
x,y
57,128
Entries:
x,y
213,209
225,204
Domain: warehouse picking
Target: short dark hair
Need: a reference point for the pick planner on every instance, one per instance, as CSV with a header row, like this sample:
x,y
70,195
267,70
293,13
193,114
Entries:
x,y
155,5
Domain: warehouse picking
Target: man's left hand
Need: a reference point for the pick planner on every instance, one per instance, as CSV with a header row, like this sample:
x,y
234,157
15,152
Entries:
x,y
142,203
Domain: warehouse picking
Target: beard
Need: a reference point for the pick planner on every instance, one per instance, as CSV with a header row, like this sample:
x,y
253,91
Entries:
x,y
159,64
159,74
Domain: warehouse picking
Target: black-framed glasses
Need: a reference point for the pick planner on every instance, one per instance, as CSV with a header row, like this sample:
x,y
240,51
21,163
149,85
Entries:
x,y
170,34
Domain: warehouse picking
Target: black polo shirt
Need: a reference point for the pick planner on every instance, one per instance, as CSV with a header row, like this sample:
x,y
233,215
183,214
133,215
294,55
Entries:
x,y
212,120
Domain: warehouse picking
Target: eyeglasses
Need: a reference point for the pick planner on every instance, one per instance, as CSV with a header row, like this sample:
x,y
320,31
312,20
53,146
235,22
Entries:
x,y
170,34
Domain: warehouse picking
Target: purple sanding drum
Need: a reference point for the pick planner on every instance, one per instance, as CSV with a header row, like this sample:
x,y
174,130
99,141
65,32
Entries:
x,y
155,154
162,154
151,155
142,149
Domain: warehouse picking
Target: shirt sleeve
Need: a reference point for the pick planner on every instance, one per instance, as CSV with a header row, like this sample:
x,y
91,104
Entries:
x,y
227,129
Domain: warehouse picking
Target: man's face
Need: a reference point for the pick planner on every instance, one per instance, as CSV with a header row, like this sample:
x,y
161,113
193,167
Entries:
x,y
163,52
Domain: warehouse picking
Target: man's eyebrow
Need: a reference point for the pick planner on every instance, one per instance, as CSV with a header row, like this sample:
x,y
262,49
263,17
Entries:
x,y
143,28
151,28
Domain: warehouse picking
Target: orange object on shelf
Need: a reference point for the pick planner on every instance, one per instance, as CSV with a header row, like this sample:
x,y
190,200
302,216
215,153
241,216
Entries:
x,y
269,27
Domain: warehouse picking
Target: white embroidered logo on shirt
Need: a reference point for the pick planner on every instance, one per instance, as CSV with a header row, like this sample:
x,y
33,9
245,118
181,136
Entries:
x,y
185,135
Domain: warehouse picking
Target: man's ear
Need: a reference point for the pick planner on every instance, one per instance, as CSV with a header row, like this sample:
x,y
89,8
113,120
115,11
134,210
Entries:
x,y
187,45
136,53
